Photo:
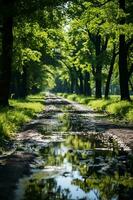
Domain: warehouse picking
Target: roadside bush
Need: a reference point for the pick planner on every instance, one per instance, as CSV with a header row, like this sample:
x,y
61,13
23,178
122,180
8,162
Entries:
x,y
129,115
22,111
72,97
99,105
113,106
119,109
6,127
85,100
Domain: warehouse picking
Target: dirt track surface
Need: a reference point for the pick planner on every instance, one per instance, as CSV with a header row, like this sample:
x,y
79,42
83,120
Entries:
x,y
125,135
31,139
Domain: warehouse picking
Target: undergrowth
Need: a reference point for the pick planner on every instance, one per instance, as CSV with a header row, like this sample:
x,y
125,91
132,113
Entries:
x,y
20,112
116,109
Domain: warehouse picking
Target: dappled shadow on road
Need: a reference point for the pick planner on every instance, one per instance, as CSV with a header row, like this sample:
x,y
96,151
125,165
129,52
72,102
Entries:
x,y
78,117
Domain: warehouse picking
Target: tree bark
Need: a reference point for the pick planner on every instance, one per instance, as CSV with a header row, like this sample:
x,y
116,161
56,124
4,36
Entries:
x,y
87,88
7,46
131,85
16,84
81,88
98,83
100,48
110,74
72,81
75,77
76,85
98,75
130,71
24,83
123,70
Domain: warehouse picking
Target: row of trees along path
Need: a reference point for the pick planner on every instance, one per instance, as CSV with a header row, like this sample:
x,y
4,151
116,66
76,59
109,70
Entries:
x,y
93,19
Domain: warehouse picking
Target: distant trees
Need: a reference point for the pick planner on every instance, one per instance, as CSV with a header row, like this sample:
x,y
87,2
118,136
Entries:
x,y
9,11
99,33
81,47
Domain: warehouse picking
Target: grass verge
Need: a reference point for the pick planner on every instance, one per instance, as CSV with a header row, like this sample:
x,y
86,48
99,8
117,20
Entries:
x,y
21,111
116,109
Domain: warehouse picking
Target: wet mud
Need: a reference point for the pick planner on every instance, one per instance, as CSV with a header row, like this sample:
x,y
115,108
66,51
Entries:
x,y
68,153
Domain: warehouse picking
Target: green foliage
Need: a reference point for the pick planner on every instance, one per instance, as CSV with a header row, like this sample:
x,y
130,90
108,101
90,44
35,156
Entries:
x,y
129,115
73,97
100,105
91,31
60,43
121,110
85,100
11,119
36,53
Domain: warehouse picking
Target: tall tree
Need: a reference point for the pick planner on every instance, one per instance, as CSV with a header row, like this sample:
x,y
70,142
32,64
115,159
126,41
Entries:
x,y
8,10
7,45
123,69
114,54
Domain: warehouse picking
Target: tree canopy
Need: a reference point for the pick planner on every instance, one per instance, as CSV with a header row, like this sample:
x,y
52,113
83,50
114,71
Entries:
x,y
77,46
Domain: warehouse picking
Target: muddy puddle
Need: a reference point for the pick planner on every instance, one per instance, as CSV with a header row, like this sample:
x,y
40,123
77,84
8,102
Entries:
x,y
74,159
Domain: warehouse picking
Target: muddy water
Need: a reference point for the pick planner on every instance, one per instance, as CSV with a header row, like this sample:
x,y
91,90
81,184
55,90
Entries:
x,y
74,159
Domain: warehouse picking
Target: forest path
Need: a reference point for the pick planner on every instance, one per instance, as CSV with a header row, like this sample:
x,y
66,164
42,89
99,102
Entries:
x,y
53,150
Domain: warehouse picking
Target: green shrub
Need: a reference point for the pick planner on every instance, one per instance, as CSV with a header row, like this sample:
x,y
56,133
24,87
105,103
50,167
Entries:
x,y
6,127
72,97
119,109
11,119
65,95
99,105
84,100
129,115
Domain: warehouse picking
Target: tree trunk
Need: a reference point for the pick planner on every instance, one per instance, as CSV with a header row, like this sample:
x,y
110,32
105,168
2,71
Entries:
x,y
81,88
110,74
131,85
123,70
76,86
98,74
100,48
24,83
75,76
87,88
7,45
130,72
16,84
72,82
98,83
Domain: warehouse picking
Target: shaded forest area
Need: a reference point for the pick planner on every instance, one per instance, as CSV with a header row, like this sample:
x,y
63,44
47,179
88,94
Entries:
x,y
82,47
54,147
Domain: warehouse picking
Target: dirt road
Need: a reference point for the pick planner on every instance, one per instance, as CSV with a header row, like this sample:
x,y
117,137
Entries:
x,y
69,152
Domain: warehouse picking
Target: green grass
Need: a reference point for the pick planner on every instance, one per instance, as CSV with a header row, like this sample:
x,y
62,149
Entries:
x,y
22,111
120,108
116,109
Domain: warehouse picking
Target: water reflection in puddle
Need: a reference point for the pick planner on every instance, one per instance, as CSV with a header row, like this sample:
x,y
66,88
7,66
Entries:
x,y
80,166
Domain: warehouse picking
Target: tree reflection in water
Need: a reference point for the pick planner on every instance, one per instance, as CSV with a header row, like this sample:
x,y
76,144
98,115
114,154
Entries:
x,y
89,172
45,189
